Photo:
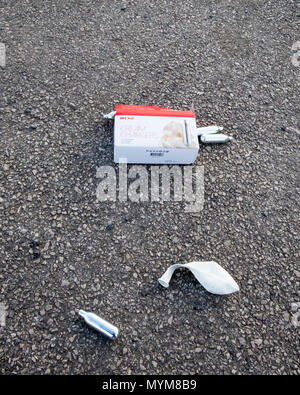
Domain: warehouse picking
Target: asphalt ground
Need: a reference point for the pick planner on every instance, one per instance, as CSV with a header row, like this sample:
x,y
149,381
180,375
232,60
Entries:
x,y
67,64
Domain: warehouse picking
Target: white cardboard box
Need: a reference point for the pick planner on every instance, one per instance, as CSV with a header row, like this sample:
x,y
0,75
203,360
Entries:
x,y
154,135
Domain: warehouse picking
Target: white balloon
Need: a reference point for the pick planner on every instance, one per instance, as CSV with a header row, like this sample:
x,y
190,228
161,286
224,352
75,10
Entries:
x,y
210,275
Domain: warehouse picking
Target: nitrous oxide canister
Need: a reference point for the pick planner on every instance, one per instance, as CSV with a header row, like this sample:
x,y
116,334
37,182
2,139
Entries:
x,y
100,324
215,138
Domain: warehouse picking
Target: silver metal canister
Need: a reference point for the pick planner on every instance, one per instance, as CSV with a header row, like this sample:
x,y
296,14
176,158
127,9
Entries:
x,y
209,130
100,324
215,138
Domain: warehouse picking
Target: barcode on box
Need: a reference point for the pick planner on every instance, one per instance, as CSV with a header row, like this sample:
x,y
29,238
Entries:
x,y
156,154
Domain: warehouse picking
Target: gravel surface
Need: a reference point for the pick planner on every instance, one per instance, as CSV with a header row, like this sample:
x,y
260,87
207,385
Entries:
x,y
67,64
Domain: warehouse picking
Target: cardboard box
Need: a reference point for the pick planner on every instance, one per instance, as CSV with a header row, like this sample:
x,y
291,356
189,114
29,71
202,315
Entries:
x,y
154,135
